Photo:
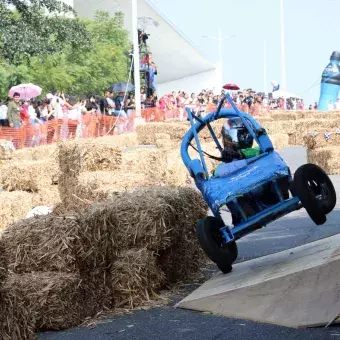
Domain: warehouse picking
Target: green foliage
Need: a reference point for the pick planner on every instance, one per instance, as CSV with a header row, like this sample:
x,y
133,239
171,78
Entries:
x,y
76,70
37,28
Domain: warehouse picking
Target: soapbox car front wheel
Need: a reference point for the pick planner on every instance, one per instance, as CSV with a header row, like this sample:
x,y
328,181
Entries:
x,y
315,190
214,245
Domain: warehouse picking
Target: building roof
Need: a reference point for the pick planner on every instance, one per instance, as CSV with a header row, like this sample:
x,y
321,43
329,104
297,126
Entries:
x,y
175,56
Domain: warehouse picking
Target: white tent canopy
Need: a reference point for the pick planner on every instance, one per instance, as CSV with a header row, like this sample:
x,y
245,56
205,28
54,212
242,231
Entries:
x,y
284,94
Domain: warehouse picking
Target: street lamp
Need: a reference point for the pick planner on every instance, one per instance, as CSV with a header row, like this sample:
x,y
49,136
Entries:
x,y
136,60
283,56
219,39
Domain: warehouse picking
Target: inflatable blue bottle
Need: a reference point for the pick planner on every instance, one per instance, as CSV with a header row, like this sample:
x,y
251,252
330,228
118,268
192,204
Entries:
x,y
330,83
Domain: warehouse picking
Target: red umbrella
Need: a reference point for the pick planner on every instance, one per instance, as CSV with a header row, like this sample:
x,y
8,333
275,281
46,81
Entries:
x,y
232,87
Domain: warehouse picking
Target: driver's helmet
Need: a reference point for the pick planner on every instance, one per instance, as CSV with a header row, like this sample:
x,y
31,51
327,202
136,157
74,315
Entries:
x,y
234,132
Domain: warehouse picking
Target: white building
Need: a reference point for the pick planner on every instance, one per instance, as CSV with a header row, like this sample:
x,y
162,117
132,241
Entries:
x,y
181,66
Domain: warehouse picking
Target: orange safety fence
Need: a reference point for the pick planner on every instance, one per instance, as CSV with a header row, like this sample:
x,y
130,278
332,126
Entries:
x,y
158,115
98,125
90,126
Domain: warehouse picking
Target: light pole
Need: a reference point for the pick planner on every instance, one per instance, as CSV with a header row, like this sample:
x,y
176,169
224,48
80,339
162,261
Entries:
x,y
265,66
219,39
136,60
283,56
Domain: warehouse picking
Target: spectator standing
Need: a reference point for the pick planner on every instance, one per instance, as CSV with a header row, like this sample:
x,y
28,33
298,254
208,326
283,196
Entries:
x,y
13,112
106,104
338,104
3,115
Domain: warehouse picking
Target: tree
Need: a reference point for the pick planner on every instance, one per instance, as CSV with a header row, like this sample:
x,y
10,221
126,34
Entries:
x,y
77,71
80,72
39,28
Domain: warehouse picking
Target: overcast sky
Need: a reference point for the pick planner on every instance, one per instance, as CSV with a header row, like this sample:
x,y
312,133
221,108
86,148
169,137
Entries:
x,y
312,34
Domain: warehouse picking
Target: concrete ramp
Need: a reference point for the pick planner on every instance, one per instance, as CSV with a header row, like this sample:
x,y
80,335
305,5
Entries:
x,y
299,287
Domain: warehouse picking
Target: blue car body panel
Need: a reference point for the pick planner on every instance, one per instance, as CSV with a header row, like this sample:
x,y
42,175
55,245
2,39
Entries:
x,y
219,191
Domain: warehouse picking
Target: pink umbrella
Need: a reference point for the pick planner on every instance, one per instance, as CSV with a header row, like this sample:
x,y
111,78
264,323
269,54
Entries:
x,y
27,91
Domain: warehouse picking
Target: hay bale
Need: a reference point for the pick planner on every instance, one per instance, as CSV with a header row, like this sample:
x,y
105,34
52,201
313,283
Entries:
x,y
292,139
69,157
320,140
327,158
141,218
304,127
15,319
280,140
14,206
273,127
99,156
263,120
46,196
162,136
27,176
42,152
284,115
147,133
183,257
53,301
108,183
3,262
121,141
42,243
144,218
87,156
6,149
136,278
76,196
158,166
163,143
325,115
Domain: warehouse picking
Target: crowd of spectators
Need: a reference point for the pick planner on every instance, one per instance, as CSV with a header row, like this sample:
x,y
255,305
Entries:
x,y
16,112
248,101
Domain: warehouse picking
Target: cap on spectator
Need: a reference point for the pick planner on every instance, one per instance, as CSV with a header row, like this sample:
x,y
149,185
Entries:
x,y
49,96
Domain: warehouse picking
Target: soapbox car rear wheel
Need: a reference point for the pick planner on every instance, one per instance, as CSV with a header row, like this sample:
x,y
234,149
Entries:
x,y
315,190
214,245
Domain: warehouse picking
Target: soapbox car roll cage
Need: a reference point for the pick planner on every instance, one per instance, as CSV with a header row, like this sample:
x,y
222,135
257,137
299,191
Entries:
x,y
240,191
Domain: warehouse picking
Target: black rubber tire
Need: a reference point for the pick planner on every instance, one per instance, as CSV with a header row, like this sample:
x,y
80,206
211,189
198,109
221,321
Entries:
x,y
310,181
211,241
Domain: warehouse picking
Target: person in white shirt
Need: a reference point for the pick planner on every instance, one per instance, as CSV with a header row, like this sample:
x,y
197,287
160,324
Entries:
x,y
3,115
330,106
338,104
33,115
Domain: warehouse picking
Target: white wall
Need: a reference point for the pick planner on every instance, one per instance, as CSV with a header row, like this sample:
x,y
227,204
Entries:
x,y
173,54
204,80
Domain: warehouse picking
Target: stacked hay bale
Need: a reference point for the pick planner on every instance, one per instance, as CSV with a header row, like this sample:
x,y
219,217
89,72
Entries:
x,y
118,253
75,158
327,158
39,153
146,134
14,206
142,167
323,150
280,140
27,182
158,224
6,150
306,126
17,199
29,176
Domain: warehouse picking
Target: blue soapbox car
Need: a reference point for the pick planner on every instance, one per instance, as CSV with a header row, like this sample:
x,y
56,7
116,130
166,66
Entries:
x,y
258,191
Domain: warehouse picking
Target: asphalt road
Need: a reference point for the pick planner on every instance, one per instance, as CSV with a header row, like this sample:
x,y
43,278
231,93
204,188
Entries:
x,y
168,323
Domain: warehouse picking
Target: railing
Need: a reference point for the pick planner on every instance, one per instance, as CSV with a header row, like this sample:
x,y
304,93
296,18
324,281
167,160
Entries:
x,y
97,125
90,126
